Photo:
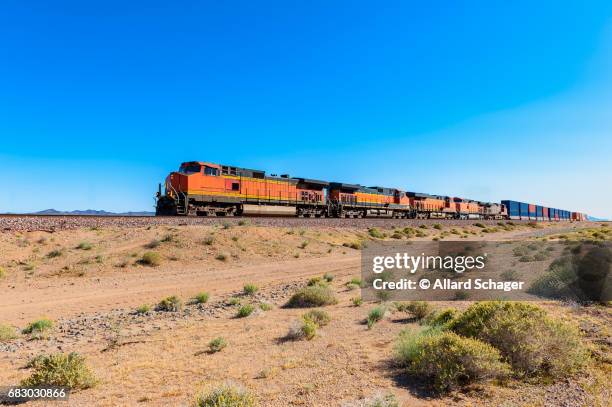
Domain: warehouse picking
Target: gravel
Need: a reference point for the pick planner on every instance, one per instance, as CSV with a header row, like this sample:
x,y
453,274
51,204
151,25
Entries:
x,y
56,223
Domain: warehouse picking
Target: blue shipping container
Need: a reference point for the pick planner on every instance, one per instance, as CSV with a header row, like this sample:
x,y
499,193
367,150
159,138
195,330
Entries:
x,y
524,209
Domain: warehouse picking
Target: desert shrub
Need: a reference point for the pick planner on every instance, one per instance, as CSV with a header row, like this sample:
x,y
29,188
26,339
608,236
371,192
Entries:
x,y
217,345
227,395
419,309
226,225
440,318
208,241
221,257
375,315
351,286
317,281
143,309
54,253
201,298
167,238
250,289
356,281
302,329
357,301
151,259
245,311
437,226
529,340
233,301
328,277
303,244
60,369
7,333
264,306
355,245
242,222
38,329
314,296
397,235
170,304
376,233
84,246
448,360
2,272
479,225
319,317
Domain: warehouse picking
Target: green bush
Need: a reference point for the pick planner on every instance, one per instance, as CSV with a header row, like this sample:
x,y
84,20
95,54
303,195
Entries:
x,y
376,233
419,309
317,281
208,241
227,395
437,226
318,316
304,329
54,253
441,318
328,277
151,259
170,304
529,340
264,306
376,314
250,289
38,329
60,369
245,311
7,333
201,298
84,246
448,360
217,345
357,301
314,296
221,257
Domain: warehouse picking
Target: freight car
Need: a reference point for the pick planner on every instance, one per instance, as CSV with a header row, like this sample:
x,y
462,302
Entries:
x,y
208,189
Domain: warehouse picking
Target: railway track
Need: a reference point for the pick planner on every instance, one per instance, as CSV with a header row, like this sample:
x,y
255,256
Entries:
x,y
50,223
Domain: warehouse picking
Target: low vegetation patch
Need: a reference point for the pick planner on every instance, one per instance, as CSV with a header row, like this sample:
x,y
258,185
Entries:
x,y
217,345
152,259
375,315
376,233
170,304
221,257
441,317
227,395
317,281
448,360
54,253
201,298
38,329
318,316
250,289
302,329
2,272
328,277
418,309
7,333
313,296
143,309
84,246
533,343
356,301
245,311
59,369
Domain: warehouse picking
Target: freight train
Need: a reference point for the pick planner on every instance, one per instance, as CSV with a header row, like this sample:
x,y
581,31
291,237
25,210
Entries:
x,y
207,189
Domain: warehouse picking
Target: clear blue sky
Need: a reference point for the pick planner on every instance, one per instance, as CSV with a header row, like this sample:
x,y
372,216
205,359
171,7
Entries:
x,y
99,100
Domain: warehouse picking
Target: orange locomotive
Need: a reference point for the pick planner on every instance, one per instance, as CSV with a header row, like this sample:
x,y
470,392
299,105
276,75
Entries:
x,y
207,189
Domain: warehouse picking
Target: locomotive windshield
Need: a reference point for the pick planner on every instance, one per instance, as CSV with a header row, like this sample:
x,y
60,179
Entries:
x,y
190,168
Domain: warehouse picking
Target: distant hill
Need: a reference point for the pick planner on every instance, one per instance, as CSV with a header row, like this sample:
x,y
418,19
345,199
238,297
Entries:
x,y
593,219
91,212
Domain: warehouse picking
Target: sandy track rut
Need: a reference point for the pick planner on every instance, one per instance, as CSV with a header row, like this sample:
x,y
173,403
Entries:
x,y
67,297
